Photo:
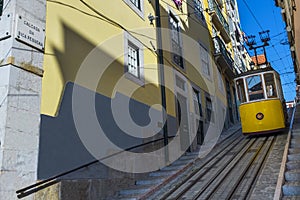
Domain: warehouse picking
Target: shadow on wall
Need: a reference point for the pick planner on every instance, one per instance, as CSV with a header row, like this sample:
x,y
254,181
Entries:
x,y
60,146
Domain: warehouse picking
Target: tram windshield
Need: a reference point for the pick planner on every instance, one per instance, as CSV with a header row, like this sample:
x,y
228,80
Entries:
x,y
255,88
270,85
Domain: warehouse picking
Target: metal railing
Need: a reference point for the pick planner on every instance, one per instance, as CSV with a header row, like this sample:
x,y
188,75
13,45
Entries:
x,y
213,6
232,2
221,49
55,179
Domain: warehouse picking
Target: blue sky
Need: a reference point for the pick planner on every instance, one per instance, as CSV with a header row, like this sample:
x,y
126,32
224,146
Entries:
x,y
266,16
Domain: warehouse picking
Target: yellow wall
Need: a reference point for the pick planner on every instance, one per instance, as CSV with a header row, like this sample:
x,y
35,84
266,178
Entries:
x,y
73,30
72,33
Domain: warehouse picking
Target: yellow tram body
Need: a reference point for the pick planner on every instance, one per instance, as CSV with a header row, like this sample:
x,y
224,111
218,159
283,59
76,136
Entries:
x,y
273,120
262,106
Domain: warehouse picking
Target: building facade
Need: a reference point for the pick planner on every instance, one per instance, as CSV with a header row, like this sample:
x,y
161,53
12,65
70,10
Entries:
x,y
290,14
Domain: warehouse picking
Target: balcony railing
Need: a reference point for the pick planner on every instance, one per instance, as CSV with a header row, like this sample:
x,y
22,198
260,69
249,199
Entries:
x,y
219,21
214,7
232,3
222,55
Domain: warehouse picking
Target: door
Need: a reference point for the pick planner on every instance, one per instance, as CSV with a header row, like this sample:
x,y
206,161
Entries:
x,y
183,123
198,116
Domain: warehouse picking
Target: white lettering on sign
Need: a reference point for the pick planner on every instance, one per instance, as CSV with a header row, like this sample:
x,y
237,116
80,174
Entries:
x,y
30,33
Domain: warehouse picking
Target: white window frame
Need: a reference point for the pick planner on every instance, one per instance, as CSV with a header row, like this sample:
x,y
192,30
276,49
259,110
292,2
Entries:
x,y
138,11
128,41
175,18
207,71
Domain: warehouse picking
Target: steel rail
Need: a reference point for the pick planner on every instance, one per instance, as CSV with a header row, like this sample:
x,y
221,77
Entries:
x,y
219,172
167,195
249,165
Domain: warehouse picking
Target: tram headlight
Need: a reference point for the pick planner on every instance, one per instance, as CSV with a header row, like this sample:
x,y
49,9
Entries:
x,y
259,116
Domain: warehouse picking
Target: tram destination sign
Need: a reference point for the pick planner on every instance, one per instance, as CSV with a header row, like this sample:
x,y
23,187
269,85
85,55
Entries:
x,y
32,34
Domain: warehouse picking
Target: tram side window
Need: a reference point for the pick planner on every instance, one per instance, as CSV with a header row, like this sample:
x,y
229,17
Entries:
x,y
255,88
241,90
270,85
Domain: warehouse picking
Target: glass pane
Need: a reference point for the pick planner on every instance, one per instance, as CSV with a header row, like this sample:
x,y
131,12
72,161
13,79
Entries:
x,y
133,64
270,85
241,90
255,89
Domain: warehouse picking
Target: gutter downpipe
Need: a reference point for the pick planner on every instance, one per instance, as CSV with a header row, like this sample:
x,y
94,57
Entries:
x,y
162,77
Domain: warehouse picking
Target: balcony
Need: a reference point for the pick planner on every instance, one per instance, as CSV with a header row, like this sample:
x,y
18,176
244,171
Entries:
x,y
232,3
219,20
222,57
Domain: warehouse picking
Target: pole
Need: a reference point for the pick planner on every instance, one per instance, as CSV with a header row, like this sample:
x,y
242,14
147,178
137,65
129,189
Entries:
x,y
162,76
256,56
265,54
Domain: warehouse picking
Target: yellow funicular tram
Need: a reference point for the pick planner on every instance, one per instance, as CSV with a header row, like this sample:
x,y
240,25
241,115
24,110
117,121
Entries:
x,y
262,105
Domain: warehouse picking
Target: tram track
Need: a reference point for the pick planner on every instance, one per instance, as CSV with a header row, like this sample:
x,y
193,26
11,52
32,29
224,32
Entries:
x,y
229,175
242,188
228,147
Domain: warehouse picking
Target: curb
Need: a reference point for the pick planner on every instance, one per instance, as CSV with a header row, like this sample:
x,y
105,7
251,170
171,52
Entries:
x,y
280,180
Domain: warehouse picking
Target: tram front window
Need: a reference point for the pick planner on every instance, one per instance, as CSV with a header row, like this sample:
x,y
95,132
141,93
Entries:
x,y
270,85
255,88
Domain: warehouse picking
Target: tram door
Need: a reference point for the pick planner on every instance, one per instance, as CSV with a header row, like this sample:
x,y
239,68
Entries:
x,y
182,119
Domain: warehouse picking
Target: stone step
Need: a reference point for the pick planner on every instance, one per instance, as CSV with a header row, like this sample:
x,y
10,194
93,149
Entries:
x,y
180,162
134,191
127,198
293,157
291,198
295,141
296,130
149,181
294,146
291,189
162,173
292,175
172,168
296,136
188,157
194,153
293,165
294,150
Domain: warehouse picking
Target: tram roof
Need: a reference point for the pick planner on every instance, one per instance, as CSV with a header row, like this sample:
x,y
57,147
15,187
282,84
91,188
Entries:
x,y
256,71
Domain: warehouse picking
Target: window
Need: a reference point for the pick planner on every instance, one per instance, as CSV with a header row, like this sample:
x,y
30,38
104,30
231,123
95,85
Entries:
x,y
134,59
205,60
137,6
270,85
255,88
197,102
176,41
209,110
1,7
199,9
241,90
220,82
136,3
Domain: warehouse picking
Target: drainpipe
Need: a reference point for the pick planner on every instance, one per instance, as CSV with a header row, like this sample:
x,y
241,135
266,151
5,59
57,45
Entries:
x,y
160,62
